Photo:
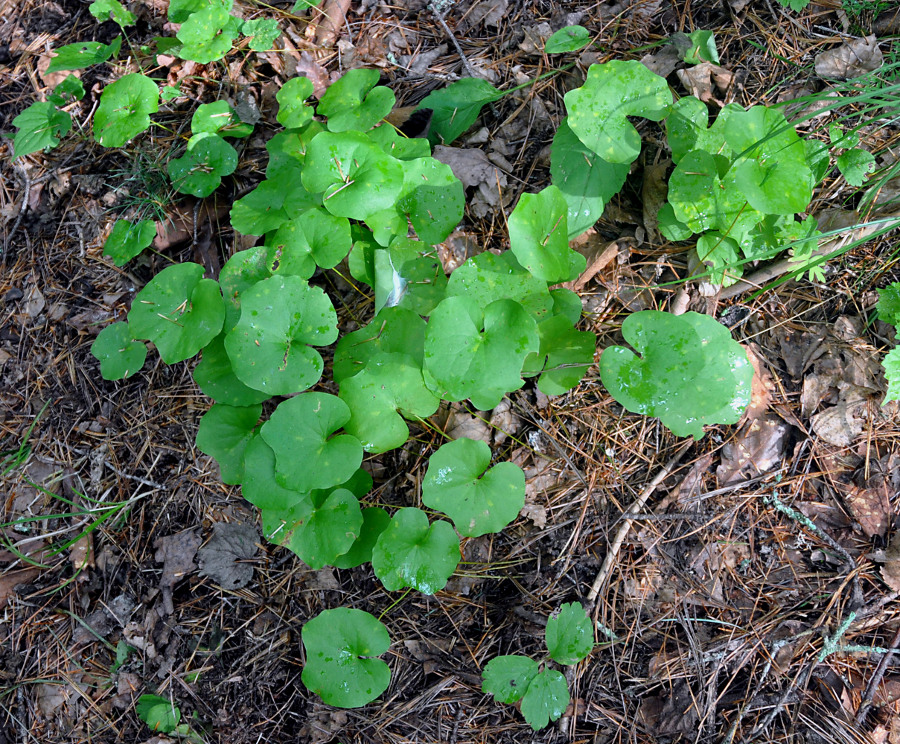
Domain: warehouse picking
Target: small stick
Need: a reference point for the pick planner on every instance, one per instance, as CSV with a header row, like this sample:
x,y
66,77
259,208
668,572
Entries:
x,y
632,510
876,679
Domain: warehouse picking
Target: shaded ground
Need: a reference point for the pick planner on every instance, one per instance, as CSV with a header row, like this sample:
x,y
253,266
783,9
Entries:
x,y
744,600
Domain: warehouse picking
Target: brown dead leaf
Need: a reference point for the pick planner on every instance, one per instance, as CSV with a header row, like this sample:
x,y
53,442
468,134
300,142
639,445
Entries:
x,y
840,425
469,165
9,582
890,570
599,254
225,558
463,425
654,192
700,80
761,387
757,448
871,507
851,59
318,75
454,251
178,227
176,553
327,25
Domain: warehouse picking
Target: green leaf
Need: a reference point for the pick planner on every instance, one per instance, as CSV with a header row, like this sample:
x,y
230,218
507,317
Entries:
x,y
892,375
433,198
375,521
128,239
586,181
888,306
287,153
612,92
271,204
410,552
457,106
507,677
686,127
83,54
795,5
478,354
208,34
568,39
179,311
569,635
340,645
270,347
395,330
703,48
293,113
566,354
125,108
546,699
170,92
215,377
670,226
397,145
120,356
40,125
410,274
855,165
68,91
314,238
478,500
300,431
240,272
280,506
218,118
380,395
181,10
692,373
262,33
106,10
357,178
356,101
539,237
721,256
158,713
199,171
223,434
488,277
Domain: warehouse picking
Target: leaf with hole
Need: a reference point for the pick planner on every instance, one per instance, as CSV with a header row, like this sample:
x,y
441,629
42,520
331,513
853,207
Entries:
x,y
125,108
281,319
68,91
315,238
199,171
40,125
179,311
128,239
293,113
569,635
340,648
457,106
223,434
539,237
355,101
83,54
410,552
568,39
478,500
507,677
120,356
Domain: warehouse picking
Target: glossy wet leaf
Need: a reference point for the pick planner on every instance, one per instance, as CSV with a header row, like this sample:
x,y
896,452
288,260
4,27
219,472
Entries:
x,y
457,106
507,677
215,377
125,108
568,39
408,274
539,237
569,634
565,355
355,101
120,356
691,372
479,500
308,455
356,176
585,179
127,239
40,125
375,521
179,311
410,552
208,34
262,33
670,226
281,319
199,171
389,388
271,204
83,54
340,648
393,330
223,434
315,238
613,91
293,113
432,198
546,699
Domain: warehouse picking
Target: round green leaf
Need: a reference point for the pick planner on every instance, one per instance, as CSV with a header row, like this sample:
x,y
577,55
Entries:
x,y
280,506
119,354
539,237
354,101
507,677
409,274
208,34
223,433
270,205
357,178
179,311
388,388
478,355
314,238
125,108
613,91
293,113
410,552
199,171
393,330
340,645
375,521
158,713
307,456
215,377
478,500
218,118
546,699
128,239
269,348
569,635
328,532
568,39
287,153
240,272
566,354
433,198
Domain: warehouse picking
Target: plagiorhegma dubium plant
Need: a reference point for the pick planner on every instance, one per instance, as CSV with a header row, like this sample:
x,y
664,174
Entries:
x,y
343,185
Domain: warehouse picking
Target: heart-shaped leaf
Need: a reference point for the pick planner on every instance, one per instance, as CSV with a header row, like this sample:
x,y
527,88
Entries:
x,y
40,125
569,635
314,238
375,521
271,204
432,198
240,272
478,500
410,552
507,677
215,377
218,118
125,108
270,347
408,274
223,433
293,113
119,354
199,171
128,239
395,330
565,355
568,39
354,101
208,34
112,10
340,648
158,713
307,456
179,311
539,237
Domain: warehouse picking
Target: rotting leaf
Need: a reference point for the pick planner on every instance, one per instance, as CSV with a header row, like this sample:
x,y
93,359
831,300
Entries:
x,y
225,558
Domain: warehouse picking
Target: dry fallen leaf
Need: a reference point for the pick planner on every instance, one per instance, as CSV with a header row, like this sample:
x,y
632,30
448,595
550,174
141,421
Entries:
x,y
871,508
176,553
851,59
757,448
224,558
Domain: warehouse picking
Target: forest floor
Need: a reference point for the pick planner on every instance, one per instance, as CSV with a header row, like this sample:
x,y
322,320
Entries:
x,y
756,582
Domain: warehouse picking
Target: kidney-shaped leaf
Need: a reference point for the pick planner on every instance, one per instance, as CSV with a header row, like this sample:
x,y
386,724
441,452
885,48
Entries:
x,y
119,354
375,521
215,377
179,311
354,101
569,635
433,198
223,433
410,552
199,171
281,318
128,239
307,456
125,108
271,204
539,237
314,238
395,330
340,648
293,113
478,500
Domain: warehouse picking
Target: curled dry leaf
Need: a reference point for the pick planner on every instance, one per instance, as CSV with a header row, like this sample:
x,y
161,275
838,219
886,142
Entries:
x,y
599,254
758,448
851,59
700,80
